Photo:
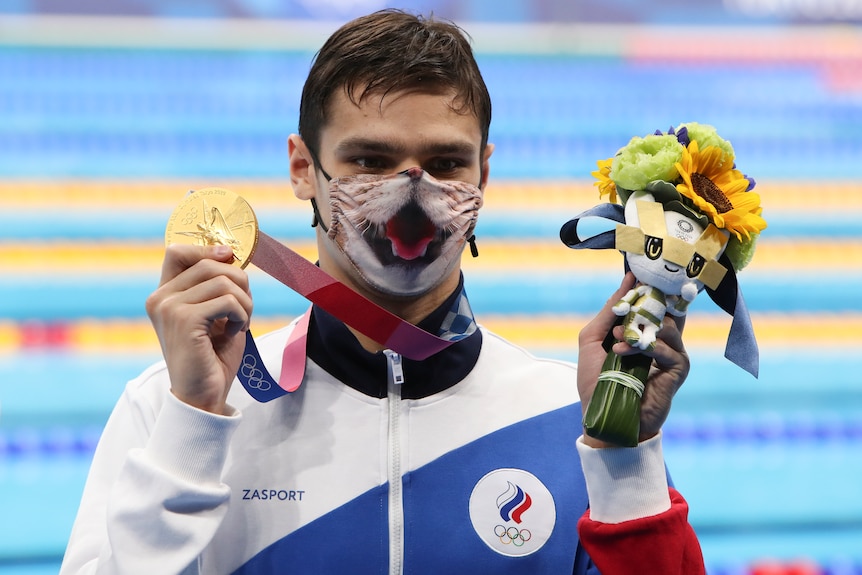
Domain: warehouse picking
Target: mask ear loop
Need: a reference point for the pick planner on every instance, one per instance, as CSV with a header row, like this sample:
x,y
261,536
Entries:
x,y
315,216
474,251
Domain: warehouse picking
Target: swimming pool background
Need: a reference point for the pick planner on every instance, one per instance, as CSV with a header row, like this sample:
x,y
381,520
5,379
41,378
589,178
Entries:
x,y
99,142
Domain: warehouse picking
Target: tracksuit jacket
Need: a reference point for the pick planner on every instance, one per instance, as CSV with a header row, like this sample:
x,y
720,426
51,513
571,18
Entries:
x,y
472,464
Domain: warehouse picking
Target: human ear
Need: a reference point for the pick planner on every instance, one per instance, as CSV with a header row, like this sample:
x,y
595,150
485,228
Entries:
x,y
302,172
486,165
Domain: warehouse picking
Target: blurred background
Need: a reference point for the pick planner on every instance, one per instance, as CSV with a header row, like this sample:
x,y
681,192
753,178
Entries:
x,y
109,115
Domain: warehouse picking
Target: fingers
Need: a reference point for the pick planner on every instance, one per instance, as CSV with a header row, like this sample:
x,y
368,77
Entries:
x,y
679,321
198,312
180,257
210,295
668,343
218,298
191,278
670,333
187,266
602,323
627,284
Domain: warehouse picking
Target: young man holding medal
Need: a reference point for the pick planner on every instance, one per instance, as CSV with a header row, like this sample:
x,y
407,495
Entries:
x,y
471,460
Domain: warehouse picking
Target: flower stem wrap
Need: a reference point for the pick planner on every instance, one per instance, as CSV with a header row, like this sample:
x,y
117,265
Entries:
x,y
613,414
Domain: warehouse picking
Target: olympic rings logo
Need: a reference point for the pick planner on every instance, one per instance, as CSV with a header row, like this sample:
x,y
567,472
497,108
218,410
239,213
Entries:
x,y
512,535
255,377
191,217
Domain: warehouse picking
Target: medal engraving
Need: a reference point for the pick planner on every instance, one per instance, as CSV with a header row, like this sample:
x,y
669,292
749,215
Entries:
x,y
215,216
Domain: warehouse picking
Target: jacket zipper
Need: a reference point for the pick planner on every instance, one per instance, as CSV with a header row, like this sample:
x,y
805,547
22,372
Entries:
x,y
396,504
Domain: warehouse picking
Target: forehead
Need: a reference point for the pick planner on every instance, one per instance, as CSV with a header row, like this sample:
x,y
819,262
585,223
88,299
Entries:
x,y
406,116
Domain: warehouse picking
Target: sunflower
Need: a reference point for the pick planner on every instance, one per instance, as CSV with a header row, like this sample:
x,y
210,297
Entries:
x,y
605,184
719,191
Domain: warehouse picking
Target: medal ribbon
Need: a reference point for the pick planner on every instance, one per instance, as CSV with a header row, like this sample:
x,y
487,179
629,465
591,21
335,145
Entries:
x,y
363,315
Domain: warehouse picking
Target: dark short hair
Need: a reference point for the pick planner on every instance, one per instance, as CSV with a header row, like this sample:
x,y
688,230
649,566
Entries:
x,y
390,51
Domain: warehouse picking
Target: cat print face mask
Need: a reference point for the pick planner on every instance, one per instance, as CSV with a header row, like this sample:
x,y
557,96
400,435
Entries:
x,y
403,233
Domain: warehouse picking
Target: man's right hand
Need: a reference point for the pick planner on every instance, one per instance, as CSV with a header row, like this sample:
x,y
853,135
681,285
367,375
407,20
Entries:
x,y
201,311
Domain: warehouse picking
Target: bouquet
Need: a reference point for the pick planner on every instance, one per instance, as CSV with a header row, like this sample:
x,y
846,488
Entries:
x,y
687,220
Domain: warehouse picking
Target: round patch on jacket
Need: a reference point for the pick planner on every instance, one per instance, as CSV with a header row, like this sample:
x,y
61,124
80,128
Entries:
x,y
512,512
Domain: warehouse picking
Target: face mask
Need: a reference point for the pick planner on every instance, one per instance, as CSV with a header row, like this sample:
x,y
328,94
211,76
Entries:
x,y
402,233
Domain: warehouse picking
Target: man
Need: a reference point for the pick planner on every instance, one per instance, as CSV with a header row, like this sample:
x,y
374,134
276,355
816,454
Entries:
x,y
465,462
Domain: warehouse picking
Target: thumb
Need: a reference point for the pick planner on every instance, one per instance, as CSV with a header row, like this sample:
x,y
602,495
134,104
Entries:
x,y
606,318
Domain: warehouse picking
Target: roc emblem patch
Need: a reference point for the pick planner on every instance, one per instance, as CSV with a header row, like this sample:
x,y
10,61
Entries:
x,y
512,512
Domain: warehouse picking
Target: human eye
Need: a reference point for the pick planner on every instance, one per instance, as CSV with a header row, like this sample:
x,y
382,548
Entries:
x,y
445,167
370,164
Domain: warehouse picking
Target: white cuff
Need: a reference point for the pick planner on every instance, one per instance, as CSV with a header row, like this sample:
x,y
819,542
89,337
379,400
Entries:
x,y
625,483
190,443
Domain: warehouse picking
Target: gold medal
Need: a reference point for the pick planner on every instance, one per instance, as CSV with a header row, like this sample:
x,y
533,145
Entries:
x,y
215,216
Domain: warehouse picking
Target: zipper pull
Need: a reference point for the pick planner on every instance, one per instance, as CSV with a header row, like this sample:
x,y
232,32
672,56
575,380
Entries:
x,y
396,372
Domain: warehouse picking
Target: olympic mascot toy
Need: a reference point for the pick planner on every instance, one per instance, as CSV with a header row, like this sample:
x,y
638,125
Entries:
x,y
687,221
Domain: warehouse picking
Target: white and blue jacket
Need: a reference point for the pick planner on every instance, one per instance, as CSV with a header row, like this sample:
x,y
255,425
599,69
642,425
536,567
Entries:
x,y
469,465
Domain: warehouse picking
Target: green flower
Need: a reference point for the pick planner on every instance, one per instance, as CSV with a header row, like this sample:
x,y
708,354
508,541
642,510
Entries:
x,y
741,251
705,136
644,160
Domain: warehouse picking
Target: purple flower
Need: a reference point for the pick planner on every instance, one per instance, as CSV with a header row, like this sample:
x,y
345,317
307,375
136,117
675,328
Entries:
x,y
681,136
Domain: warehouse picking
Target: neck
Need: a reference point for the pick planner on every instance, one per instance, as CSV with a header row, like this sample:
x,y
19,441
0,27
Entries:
x,y
412,310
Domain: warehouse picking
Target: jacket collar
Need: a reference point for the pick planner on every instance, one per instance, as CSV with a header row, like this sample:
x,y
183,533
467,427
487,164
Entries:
x,y
335,349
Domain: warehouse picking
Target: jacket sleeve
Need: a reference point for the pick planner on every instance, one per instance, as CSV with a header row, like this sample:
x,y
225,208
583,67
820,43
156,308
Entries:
x,y
636,523
153,499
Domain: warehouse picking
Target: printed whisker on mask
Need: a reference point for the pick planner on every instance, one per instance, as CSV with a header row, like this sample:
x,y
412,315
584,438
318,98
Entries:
x,y
459,224
365,226
451,228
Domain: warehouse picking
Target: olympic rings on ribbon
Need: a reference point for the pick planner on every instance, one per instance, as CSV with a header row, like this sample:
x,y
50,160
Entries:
x,y
255,377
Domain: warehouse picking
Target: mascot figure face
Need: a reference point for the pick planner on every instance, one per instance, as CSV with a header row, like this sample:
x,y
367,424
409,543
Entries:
x,y
669,250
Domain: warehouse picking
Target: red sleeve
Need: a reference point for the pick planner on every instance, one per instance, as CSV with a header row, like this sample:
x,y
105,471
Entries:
x,y
664,544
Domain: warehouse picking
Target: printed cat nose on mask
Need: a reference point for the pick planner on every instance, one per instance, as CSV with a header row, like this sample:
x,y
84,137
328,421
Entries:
x,y
414,173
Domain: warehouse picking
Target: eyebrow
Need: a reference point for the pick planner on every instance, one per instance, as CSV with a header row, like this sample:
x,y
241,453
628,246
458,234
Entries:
x,y
352,145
